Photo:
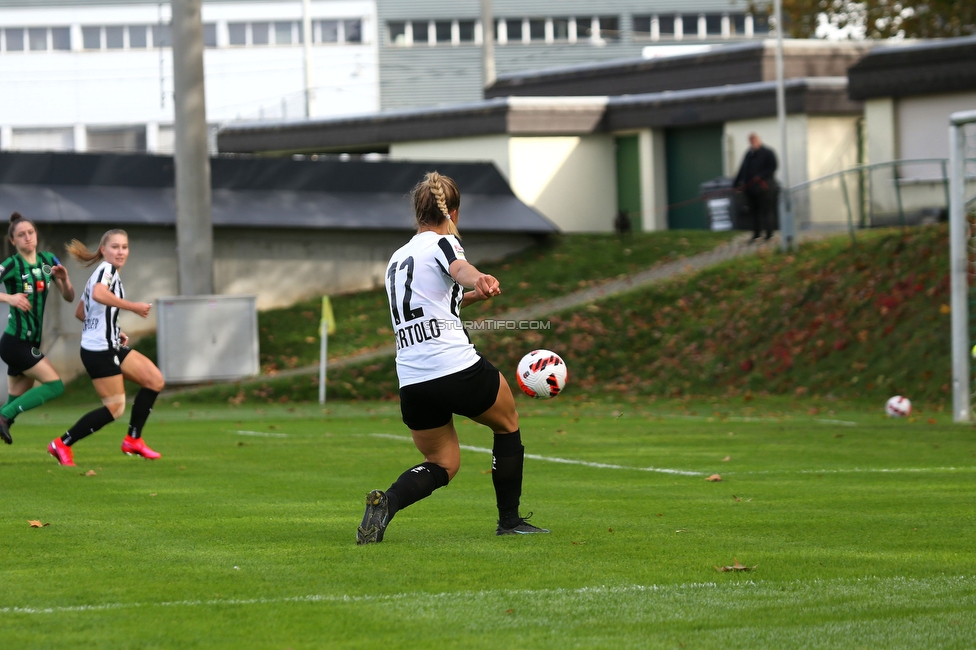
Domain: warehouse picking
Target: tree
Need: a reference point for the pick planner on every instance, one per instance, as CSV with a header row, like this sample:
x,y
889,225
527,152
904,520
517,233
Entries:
x,y
876,19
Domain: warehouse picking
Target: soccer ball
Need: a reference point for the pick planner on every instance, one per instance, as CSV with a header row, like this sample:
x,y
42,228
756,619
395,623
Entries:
x,y
541,374
898,407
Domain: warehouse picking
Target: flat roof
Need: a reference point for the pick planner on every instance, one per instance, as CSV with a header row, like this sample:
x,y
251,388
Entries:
x,y
721,65
69,188
539,116
915,68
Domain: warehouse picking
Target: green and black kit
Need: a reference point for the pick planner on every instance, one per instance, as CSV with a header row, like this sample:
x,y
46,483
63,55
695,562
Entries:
x,y
34,281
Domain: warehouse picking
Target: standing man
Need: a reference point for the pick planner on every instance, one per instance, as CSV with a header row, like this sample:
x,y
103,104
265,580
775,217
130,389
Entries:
x,y
755,181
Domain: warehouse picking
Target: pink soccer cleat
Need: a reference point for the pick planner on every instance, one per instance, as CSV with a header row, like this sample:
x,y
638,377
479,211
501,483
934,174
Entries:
x,y
137,447
61,452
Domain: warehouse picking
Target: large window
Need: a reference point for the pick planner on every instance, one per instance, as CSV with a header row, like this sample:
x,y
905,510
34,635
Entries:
x,y
442,28
398,32
115,37
60,38
713,24
560,29
353,31
537,29
91,38
666,25
514,28
466,31
610,28
328,31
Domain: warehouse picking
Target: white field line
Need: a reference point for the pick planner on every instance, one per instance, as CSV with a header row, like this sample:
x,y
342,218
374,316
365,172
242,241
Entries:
x,y
261,434
564,461
414,599
682,472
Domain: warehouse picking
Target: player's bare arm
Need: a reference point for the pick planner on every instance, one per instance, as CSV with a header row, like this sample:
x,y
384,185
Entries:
x,y
63,282
102,294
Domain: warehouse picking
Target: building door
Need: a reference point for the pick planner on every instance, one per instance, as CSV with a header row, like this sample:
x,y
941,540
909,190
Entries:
x,y
694,155
628,179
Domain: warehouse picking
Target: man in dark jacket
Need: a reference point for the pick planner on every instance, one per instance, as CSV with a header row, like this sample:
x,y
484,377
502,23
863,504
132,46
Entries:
x,y
755,181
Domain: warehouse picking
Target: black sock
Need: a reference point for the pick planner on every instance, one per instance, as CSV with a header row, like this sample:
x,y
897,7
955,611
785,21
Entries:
x,y
415,484
141,409
507,458
88,424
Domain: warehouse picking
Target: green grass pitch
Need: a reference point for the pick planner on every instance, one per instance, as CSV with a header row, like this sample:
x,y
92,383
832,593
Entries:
x,y
860,530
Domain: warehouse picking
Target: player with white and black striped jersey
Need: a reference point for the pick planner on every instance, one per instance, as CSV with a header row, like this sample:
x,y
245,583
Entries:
x,y
440,372
105,353
28,276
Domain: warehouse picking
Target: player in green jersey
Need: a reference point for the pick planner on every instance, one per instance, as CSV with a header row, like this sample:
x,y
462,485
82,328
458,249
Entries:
x,y
27,277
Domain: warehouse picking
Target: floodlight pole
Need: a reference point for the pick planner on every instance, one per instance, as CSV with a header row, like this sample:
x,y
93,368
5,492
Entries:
x,y
487,44
787,229
959,266
307,46
194,221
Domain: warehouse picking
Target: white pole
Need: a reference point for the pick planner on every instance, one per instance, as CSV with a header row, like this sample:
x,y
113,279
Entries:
x,y
787,230
323,356
959,266
307,46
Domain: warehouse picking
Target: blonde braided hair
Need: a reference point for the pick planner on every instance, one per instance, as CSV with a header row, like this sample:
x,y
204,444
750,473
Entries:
x,y
434,198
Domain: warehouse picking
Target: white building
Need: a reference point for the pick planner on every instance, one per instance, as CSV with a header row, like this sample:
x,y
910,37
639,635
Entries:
x,y
97,75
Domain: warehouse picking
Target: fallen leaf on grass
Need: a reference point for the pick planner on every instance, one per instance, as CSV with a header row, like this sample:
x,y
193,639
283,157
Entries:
x,y
714,478
609,530
735,567
726,459
740,500
35,523
90,472
578,543
509,611
681,530
486,471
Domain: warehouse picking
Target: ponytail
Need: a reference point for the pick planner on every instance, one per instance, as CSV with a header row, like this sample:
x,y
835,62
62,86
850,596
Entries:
x,y
434,198
80,252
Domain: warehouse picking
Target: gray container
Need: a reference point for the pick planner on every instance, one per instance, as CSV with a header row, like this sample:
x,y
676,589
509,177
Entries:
x,y
207,338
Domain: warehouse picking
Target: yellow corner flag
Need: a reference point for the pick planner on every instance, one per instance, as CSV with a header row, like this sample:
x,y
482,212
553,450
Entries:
x,y
328,318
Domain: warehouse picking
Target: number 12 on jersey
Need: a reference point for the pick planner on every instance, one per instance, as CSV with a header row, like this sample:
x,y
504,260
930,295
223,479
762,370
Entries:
x,y
393,274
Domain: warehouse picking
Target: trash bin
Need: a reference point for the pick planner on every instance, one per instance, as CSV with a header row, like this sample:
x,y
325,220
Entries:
x,y
720,203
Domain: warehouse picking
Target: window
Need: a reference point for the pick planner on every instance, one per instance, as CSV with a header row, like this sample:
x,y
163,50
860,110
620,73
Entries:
x,y
137,37
162,36
354,30
537,29
328,31
642,26
260,33
713,24
760,24
209,35
398,33
15,39
737,24
60,38
560,29
91,38
37,39
442,29
666,25
466,31
514,28
421,31
114,37
610,28
237,33
282,32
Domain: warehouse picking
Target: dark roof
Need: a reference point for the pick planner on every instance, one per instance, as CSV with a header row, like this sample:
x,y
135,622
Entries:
x,y
541,116
929,67
252,192
722,65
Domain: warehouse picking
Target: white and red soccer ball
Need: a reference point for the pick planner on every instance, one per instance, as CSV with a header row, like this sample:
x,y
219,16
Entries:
x,y
541,374
898,407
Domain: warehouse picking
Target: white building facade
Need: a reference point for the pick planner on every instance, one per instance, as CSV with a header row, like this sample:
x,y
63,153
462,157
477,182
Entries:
x,y
90,75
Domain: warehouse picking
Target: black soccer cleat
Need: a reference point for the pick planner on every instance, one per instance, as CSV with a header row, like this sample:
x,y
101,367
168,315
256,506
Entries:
x,y
375,519
520,527
5,430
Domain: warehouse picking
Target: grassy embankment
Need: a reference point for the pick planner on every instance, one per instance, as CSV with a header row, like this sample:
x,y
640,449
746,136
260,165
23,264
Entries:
x,y
830,322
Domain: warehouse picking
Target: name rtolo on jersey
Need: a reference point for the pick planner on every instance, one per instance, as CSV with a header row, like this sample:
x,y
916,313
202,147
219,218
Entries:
x,y
418,333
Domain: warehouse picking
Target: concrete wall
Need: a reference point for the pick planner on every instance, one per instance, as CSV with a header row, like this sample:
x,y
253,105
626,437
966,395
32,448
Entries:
x,y
569,179
280,267
879,129
490,148
922,123
654,180
832,147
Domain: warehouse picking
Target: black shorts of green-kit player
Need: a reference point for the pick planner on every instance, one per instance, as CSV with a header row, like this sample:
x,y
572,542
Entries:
x,y
20,342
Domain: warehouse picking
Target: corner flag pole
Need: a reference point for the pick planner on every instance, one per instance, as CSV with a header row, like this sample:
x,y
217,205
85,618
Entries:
x,y
326,326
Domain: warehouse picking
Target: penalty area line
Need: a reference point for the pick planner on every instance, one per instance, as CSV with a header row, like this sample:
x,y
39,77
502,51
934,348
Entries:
x,y
563,461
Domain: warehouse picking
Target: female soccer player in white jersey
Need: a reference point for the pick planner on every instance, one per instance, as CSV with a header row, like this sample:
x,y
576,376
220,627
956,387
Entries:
x,y
27,276
105,354
440,371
